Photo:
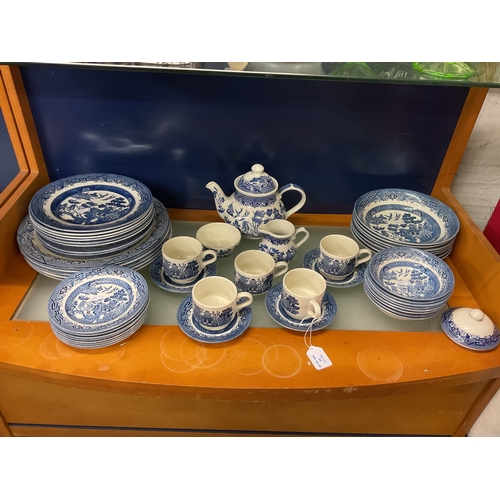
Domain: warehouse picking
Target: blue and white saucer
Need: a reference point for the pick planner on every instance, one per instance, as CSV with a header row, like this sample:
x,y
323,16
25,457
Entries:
x,y
195,331
354,279
159,278
276,311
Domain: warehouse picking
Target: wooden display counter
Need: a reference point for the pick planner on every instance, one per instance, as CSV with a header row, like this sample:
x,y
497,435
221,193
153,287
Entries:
x,y
160,382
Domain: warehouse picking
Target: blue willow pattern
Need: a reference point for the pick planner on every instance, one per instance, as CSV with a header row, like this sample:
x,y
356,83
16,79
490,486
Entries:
x,y
255,286
181,271
468,339
289,303
212,319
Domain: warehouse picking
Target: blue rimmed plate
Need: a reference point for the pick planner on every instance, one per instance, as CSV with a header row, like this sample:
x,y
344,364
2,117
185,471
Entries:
x,y
56,266
195,331
411,275
90,202
278,314
354,279
98,301
164,282
408,217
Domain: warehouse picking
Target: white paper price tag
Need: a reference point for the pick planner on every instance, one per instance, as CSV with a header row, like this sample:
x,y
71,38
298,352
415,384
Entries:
x,y
318,357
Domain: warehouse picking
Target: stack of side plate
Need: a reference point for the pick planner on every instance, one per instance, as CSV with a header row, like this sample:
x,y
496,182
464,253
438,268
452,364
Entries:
x,y
386,218
408,283
91,213
98,307
91,220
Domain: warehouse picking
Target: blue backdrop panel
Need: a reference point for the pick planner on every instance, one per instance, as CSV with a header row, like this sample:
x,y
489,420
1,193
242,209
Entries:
x,y
175,132
9,167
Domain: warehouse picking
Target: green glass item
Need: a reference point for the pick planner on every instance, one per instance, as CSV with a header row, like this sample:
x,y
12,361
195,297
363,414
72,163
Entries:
x,y
354,70
448,70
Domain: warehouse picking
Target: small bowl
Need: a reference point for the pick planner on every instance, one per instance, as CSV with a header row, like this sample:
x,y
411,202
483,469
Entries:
x,y
219,236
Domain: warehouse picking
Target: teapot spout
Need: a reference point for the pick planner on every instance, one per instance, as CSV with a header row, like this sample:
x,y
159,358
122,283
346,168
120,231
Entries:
x,y
219,196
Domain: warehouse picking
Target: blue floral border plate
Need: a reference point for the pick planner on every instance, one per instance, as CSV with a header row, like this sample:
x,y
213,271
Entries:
x,y
98,300
159,278
90,201
401,215
56,266
273,306
411,274
354,279
195,331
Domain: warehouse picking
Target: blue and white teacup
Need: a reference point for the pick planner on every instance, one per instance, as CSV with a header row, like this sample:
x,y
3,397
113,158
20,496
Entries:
x,y
302,293
254,271
216,302
183,259
339,256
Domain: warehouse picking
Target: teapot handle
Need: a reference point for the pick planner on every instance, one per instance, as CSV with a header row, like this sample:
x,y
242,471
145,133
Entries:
x,y
300,204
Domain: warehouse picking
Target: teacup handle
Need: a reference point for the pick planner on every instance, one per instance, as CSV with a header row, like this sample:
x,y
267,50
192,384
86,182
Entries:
x,y
368,253
205,263
315,312
280,268
303,240
247,300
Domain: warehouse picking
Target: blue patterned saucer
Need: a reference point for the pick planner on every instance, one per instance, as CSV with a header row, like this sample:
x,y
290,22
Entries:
x,y
273,306
195,331
164,282
354,279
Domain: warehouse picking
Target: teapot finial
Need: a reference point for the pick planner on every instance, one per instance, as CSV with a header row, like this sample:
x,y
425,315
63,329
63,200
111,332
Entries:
x,y
257,168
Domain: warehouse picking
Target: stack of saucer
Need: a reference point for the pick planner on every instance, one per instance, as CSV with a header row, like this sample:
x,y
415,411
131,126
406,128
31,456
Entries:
x,y
386,218
91,220
407,283
98,307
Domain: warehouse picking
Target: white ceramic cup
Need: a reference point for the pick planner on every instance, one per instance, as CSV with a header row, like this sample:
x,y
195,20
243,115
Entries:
x,y
254,271
302,293
183,259
339,256
219,236
216,302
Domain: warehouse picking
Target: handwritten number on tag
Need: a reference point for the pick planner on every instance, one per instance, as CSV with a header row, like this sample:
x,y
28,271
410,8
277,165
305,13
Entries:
x,y
318,357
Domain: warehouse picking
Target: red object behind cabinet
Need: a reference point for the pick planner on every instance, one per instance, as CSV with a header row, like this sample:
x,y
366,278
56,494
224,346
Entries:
x,y
492,229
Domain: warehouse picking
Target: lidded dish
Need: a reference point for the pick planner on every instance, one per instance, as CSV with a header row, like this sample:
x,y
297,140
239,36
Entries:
x,y
470,328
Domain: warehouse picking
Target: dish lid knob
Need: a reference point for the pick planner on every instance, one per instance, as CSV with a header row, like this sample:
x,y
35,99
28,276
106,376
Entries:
x,y
477,314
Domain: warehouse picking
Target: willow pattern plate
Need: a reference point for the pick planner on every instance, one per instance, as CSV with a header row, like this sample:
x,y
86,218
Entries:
x,y
98,300
411,274
90,202
404,216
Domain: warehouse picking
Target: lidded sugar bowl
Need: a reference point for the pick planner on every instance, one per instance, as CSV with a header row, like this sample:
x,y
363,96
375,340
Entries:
x,y
257,200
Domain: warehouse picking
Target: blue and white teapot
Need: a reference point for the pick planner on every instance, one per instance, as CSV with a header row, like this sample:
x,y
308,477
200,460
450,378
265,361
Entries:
x,y
257,200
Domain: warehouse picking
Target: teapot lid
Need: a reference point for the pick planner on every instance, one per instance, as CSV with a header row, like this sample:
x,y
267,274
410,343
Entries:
x,y
256,182
470,328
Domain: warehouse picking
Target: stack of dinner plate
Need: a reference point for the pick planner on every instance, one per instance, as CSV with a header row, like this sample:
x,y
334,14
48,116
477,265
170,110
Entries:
x,y
408,283
385,218
91,220
98,307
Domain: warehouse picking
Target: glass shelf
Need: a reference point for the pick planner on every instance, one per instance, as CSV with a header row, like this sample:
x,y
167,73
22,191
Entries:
x,y
469,74
354,310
